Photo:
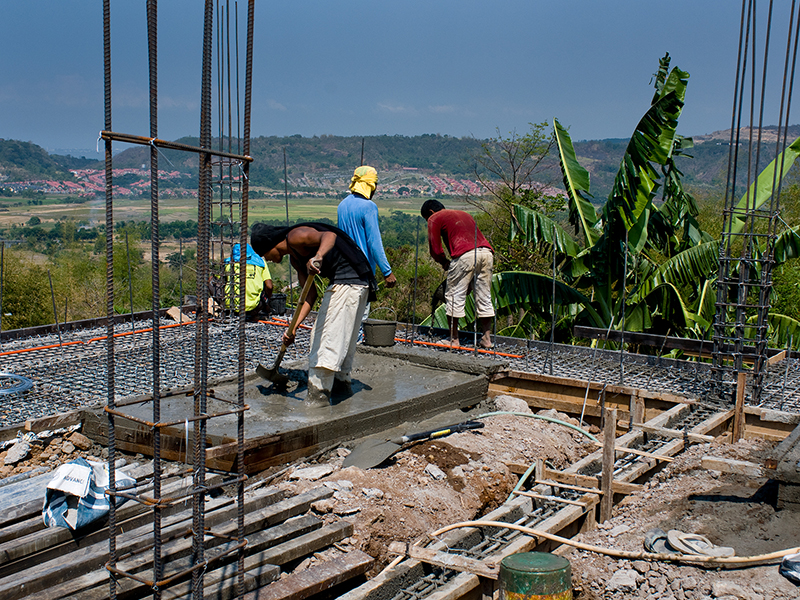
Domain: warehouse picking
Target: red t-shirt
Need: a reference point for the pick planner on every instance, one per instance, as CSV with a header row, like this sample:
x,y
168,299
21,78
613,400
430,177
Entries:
x,y
457,230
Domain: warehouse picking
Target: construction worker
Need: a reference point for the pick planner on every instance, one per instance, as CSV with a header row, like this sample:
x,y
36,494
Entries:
x,y
320,249
258,283
471,257
358,217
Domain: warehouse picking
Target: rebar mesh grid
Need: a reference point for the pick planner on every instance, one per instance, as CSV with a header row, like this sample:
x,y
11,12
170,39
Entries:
x,y
74,374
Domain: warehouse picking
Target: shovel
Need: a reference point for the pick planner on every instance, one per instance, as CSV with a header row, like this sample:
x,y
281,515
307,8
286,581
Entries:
x,y
373,452
273,374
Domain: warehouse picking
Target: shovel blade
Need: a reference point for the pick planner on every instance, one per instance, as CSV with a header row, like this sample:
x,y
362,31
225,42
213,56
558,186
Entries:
x,y
370,454
272,375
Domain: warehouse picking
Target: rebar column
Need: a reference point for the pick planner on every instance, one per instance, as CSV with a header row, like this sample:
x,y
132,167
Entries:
x,y
110,363
201,339
152,52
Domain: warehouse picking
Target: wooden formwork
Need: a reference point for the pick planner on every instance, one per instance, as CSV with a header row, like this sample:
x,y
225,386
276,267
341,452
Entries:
x,y
56,563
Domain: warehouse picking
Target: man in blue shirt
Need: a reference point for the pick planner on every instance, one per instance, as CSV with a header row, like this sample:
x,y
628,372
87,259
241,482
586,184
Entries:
x,y
358,218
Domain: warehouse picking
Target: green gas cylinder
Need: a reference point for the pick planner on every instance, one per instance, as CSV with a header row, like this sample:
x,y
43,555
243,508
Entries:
x,y
535,576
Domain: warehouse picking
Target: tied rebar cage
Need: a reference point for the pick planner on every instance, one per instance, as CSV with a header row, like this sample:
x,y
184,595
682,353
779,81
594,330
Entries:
x,y
750,224
222,222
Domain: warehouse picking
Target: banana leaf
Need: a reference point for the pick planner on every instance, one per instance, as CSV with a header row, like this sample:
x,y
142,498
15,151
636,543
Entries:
x,y
760,190
787,245
535,228
782,329
692,265
582,213
652,142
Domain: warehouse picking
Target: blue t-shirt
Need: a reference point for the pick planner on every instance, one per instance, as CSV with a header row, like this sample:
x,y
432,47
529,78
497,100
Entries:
x,y
358,218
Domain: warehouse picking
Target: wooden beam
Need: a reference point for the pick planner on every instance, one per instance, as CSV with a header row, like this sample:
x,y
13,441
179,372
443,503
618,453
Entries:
x,y
620,487
738,411
549,498
626,450
739,467
677,434
609,456
446,560
776,358
316,579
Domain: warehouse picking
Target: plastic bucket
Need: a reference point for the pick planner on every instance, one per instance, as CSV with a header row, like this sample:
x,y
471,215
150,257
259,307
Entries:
x,y
378,332
277,304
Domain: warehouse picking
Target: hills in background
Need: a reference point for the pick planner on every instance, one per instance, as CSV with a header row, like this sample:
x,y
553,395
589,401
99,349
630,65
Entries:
x,y
325,163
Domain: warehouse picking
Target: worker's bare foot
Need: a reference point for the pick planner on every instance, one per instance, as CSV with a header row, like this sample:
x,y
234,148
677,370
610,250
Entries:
x,y
486,341
455,343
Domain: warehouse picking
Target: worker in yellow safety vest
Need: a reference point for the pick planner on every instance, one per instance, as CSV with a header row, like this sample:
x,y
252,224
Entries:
x,y
258,283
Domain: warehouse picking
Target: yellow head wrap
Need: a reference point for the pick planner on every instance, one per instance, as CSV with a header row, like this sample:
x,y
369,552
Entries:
x,y
364,181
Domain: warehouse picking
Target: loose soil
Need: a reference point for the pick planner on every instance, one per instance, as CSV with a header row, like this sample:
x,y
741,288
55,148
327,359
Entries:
x,y
465,475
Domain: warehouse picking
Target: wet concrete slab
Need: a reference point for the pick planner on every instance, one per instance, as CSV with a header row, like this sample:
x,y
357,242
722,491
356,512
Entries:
x,y
391,386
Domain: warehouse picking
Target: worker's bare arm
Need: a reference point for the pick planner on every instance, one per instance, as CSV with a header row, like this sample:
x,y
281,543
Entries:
x,y
306,240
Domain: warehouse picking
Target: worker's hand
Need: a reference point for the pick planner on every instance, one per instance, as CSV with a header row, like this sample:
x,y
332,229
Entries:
x,y
390,280
288,338
314,265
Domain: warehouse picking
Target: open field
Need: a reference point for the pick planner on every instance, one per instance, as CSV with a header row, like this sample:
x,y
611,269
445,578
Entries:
x,y
184,209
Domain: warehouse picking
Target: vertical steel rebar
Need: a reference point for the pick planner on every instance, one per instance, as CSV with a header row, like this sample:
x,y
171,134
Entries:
x,y
474,295
152,46
180,274
286,203
130,279
110,361
624,299
414,297
553,314
201,340
55,311
242,270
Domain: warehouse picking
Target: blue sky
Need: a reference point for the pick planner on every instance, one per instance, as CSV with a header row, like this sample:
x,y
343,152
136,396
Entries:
x,y
358,67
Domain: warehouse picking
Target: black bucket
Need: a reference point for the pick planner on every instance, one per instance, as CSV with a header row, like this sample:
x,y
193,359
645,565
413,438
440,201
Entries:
x,y
378,332
277,304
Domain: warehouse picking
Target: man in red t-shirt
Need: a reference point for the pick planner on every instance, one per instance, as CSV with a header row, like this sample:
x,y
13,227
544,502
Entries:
x,y
471,257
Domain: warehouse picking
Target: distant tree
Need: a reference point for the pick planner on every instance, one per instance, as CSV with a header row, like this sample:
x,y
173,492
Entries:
x,y
33,221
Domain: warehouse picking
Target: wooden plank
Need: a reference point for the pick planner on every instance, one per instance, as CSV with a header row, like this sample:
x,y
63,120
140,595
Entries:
x,y
739,467
220,583
218,511
316,579
776,358
455,562
567,486
609,456
92,586
626,450
677,434
673,343
619,487
51,542
738,411
549,498
67,419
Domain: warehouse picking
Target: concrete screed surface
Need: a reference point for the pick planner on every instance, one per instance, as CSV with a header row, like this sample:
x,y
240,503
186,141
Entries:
x,y
398,386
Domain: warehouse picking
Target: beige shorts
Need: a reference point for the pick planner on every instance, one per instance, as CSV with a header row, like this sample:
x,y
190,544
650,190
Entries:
x,y
459,276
